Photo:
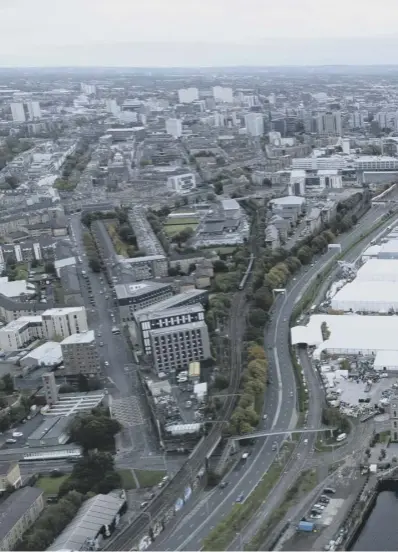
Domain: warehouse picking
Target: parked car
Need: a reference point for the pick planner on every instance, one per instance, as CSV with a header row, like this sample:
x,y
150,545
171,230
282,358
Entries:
x,y
329,490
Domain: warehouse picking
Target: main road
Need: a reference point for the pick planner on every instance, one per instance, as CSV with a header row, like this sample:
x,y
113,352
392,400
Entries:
x,y
280,406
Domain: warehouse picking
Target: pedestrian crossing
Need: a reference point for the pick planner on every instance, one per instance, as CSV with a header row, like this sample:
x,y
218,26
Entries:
x,y
127,411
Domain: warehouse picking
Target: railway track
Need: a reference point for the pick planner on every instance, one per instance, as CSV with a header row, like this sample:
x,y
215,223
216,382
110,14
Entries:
x,y
175,489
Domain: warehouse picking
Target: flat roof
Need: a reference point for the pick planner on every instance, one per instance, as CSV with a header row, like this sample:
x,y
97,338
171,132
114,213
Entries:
x,y
51,427
228,204
390,247
174,301
62,311
72,403
378,270
84,337
146,259
136,289
48,353
21,322
350,332
368,292
288,200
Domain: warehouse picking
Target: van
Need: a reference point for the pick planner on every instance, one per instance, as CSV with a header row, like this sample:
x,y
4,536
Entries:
x,y
341,437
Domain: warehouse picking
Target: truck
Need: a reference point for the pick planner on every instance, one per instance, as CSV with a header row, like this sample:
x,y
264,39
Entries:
x,y
306,526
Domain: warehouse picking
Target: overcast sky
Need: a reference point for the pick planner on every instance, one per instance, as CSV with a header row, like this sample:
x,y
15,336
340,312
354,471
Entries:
x,y
186,32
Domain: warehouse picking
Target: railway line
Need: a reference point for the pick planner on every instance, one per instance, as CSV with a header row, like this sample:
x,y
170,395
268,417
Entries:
x,y
175,488
170,493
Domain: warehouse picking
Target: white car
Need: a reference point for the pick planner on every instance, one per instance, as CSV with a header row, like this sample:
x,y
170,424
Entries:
x,y
106,363
319,506
305,441
17,434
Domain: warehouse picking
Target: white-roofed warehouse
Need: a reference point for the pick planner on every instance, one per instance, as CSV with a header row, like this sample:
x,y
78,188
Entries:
x,y
378,270
365,296
350,334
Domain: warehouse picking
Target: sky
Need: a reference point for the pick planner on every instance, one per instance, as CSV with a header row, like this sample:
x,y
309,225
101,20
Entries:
x,y
197,32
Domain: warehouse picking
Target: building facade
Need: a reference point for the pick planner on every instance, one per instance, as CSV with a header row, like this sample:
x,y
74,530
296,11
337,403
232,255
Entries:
x,y
133,297
18,513
80,354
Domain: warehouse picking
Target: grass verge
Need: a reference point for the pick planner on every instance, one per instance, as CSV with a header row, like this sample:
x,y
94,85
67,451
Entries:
x,y
127,478
223,534
50,485
149,478
303,485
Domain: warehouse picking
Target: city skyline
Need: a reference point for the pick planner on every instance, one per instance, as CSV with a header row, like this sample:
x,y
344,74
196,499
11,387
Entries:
x,y
120,33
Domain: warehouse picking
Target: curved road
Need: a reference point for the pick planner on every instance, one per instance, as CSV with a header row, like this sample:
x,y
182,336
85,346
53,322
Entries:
x,y
280,404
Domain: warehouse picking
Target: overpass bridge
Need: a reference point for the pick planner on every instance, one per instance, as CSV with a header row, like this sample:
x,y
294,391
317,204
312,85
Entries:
x,y
257,434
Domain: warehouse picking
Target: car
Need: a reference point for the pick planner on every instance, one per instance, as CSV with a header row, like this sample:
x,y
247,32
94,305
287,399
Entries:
x,y
265,416
324,499
106,363
10,441
17,434
318,506
223,484
315,516
274,446
329,490
144,504
239,498
291,394
305,441
101,344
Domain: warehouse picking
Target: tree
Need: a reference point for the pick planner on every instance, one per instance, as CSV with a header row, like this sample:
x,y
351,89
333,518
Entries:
x,y
333,417
12,182
258,318
49,267
304,254
94,431
94,264
8,383
90,472
218,188
220,266
263,299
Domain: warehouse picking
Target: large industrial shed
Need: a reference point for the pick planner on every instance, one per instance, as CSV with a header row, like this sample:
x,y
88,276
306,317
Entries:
x,y
363,296
351,334
95,520
378,270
